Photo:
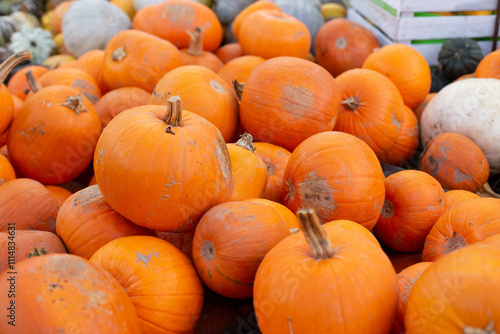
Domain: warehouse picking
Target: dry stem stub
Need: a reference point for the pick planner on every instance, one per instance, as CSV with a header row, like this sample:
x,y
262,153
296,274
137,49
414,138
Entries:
x,y
246,141
351,103
315,234
173,114
196,43
75,103
8,65
119,54
32,83
238,88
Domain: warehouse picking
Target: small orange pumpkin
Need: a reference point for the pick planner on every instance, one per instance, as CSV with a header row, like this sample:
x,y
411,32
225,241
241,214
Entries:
x,y
457,196
91,62
18,85
489,66
194,54
239,68
229,51
256,6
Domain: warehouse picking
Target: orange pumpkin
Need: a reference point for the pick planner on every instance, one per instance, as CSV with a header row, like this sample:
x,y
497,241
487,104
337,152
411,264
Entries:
x,y
92,62
202,92
290,37
160,280
493,240
25,204
25,243
413,203
60,193
58,15
142,18
342,45
229,51
321,267
406,68
256,6
372,108
55,116
228,245
316,177
249,171
420,109
135,58
18,85
343,224
66,293
286,100
181,166
464,224
489,66
114,102
239,69
7,172
454,197
194,54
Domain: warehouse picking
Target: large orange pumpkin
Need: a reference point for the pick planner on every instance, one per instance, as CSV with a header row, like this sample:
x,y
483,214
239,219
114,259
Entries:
x,y
160,281
256,6
181,166
406,68
142,18
202,92
338,176
489,66
286,100
194,54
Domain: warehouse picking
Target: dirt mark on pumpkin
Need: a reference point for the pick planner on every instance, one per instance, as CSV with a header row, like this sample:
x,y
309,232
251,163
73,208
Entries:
x,y
146,258
460,177
316,193
298,100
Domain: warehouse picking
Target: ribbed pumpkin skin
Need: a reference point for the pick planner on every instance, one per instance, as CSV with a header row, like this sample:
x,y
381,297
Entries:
x,y
18,85
160,281
6,108
228,245
463,286
202,92
286,100
276,159
239,68
68,294
413,203
493,240
338,176
290,279
28,205
489,66
60,193
454,197
161,185
25,242
343,224
406,68
256,6
343,45
464,224
86,222
44,123
7,172
456,162
376,111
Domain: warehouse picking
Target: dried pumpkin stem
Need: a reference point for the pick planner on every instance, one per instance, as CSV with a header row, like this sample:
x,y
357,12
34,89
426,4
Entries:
x,y
351,103
315,234
34,85
489,329
38,252
196,43
119,54
486,191
246,141
238,88
75,103
8,65
173,115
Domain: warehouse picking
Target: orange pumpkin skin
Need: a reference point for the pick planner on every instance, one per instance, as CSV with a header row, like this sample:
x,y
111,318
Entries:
x,y
114,102
50,119
25,242
372,108
420,109
142,18
160,161
67,293
229,51
466,223
18,85
463,286
290,37
86,222
239,68
493,240
407,143
91,62
7,172
160,280
276,159
134,58
343,224
413,203
60,193
182,241
342,45
456,162
316,177
256,6
406,68
301,99
57,17
406,280
25,204
228,245
219,104
457,196
489,66
290,277
171,20
6,108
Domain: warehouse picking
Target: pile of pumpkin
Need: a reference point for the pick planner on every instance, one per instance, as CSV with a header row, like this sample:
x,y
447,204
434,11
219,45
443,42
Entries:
x,y
193,183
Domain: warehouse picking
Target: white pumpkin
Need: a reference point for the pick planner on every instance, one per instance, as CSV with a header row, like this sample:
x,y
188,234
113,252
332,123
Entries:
x,y
90,24
470,107
37,40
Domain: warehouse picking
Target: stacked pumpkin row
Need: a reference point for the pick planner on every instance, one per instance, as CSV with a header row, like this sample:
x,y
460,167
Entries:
x,y
167,167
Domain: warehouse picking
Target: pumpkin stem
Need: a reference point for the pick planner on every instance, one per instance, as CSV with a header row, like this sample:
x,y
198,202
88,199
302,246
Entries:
x,y
489,329
75,103
486,191
38,252
173,116
196,43
119,54
315,234
246,141
8,65
209,250
238,88
351,103
34,85
294,230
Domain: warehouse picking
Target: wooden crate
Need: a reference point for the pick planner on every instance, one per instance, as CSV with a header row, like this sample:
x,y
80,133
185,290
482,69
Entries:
x,y
394,21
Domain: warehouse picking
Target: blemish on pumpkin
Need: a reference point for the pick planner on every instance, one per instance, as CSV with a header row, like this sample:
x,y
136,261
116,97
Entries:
x,y
224,162
455,242
316,193
341,42
146,258
209,250
388,209
216,86
459,176
395,121
291,191
298,100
